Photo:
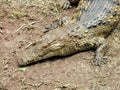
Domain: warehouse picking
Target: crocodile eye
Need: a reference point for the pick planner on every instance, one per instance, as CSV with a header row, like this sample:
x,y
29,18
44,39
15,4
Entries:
x,y
56,46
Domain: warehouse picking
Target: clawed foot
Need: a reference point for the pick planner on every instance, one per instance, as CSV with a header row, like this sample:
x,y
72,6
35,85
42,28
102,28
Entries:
x,y
53,26
66,5
57,23
99,60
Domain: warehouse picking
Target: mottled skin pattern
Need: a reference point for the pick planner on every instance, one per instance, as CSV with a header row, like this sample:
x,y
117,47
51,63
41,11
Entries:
x,y
92,21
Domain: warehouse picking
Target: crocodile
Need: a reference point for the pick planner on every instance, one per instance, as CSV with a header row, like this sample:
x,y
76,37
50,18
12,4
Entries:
x,y
90,24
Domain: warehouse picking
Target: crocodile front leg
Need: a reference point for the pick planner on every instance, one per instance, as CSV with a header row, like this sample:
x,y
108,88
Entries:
x,y
65,4
100,53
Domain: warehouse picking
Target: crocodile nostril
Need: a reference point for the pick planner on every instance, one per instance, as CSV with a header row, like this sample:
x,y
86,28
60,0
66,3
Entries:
x,y
20,62
23,61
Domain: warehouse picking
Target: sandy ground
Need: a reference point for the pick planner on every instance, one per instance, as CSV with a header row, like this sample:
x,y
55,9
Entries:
x,y
18,28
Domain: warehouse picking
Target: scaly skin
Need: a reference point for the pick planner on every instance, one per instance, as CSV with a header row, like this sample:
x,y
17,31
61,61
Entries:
x,y
92,21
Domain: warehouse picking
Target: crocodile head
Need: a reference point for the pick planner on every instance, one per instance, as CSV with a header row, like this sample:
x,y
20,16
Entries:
x,y
51,44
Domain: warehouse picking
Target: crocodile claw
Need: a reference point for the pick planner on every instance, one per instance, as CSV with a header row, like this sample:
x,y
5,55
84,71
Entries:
x,y
66,5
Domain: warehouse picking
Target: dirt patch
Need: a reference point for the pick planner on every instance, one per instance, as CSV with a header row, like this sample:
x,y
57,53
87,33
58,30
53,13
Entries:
x,y
22,23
